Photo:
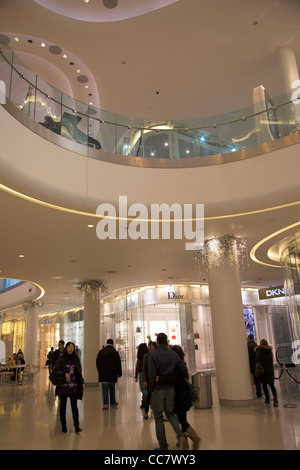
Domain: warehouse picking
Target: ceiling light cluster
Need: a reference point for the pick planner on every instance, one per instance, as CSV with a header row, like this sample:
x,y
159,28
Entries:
x,y
215,250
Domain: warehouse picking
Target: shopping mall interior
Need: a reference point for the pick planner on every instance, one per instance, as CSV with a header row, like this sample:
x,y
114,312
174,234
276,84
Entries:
x,y
150,183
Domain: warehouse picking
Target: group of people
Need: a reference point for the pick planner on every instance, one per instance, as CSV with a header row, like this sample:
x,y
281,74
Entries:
x,y
162,374
16,359
262,368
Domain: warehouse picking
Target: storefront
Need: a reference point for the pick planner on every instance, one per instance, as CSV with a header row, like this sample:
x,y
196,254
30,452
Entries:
x,y
132,316
183,312
66,325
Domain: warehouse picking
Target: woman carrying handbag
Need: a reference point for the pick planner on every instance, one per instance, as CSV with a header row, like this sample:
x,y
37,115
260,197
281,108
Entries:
x,y
68,367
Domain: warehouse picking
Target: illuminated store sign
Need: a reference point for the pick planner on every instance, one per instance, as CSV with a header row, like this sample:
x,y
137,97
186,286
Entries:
x,y
271,293
173,295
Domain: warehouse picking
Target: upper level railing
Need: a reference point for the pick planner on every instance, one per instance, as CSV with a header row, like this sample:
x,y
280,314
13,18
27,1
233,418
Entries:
x,y
263,121
6,284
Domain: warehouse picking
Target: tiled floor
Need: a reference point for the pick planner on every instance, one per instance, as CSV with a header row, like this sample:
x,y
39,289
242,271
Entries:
x,y
29,420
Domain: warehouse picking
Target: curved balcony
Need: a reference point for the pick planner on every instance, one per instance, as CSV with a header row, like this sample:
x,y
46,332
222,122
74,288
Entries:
x,y
15,293
181,142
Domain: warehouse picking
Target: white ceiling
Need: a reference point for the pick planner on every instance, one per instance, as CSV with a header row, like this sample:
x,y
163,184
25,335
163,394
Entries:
x,y
191,58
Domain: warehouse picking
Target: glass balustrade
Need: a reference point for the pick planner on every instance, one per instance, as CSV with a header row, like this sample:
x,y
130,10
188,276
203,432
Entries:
x,y
157,139
6,284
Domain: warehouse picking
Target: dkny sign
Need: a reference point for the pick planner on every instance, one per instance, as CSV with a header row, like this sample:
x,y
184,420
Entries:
x,y
271,293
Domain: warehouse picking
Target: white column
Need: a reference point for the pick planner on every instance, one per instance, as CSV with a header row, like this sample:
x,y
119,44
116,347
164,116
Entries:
x,y
91,335
288,65
229,333
31,335
290,74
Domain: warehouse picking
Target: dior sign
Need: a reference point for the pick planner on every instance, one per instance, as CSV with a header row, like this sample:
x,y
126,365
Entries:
x,y
173,295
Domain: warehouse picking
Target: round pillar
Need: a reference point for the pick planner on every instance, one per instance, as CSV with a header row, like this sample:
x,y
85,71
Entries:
x,y
31,334
220,258
290,75
229,333
91,333
289,68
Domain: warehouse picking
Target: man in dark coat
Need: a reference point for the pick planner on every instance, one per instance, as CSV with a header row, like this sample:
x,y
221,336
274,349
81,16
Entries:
x,y
109,368
58,352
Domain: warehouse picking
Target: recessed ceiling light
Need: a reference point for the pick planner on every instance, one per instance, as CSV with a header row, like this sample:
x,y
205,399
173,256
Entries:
x,y
43,44
65,56
86,86
78,70
90,225
86,1
21,256
16,39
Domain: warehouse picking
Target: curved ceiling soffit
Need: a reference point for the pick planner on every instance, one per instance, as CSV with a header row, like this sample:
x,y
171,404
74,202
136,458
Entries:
x,y
269,245
104,10
128,218
42,56
28,291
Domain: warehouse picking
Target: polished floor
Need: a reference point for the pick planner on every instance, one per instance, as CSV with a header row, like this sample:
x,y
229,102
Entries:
x,y
29,421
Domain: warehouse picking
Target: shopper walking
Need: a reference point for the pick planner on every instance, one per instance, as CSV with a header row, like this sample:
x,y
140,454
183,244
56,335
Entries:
x,y
252,362
50,357
183,403
163,362
142,350
69,363
58,352
264,356
109,368
146,378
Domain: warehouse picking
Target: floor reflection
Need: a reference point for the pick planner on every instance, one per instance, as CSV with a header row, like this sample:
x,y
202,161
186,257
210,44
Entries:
x,y
29,417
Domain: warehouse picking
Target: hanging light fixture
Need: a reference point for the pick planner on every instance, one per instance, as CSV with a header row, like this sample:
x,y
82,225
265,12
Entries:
x,y
214,251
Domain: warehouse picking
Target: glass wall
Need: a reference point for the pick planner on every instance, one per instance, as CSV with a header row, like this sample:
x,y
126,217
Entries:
x,y
66,325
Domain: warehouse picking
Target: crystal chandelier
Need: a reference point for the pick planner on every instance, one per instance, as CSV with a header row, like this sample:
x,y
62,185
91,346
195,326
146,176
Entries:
x,y
215,250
